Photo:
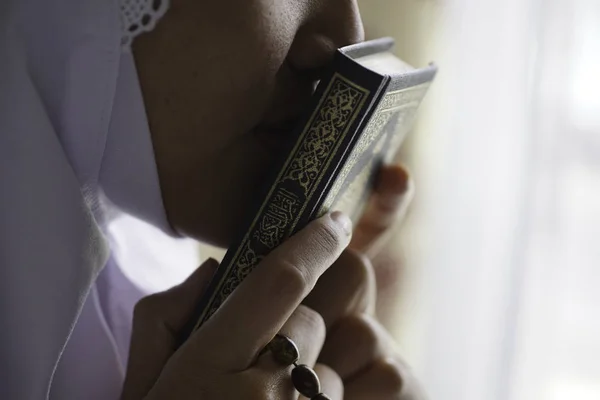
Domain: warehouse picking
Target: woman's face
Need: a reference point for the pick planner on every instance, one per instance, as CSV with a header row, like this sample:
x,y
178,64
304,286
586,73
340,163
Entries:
x,y
222,79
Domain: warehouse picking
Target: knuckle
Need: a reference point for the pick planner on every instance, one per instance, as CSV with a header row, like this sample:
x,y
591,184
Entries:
x,y
313,320
290,278
364,334
392,374
257,391
263,384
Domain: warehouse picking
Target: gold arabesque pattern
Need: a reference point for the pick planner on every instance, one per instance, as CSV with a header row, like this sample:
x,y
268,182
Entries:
x,y
324,134
308,163
280,211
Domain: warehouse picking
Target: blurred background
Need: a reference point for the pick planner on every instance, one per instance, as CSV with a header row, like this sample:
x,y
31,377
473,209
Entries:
x,y
501,289
501,298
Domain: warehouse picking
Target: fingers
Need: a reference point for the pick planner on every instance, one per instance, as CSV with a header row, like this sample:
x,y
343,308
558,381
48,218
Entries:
x,y
156,324
306,329
331,383
383,380
393,192
366,338
353,278
260,306
372,370
390,269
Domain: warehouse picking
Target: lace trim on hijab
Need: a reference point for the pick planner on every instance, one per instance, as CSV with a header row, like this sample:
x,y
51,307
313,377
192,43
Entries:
x,y
139,16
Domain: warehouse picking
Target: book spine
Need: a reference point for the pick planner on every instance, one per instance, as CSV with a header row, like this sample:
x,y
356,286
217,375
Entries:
x,y
354,152
293,199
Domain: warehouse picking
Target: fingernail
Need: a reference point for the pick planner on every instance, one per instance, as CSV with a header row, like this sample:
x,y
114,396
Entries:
x,y
343,221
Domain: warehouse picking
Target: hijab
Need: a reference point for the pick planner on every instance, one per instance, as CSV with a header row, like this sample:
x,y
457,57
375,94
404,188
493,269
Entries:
x,y
68,98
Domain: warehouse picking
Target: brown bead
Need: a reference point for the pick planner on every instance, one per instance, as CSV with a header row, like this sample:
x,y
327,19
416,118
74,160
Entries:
x,y
321,396
284,350
306,381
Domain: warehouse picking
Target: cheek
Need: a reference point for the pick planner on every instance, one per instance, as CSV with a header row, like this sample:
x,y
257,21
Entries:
x,y
246,72
250,46
211,66
208,73
233,95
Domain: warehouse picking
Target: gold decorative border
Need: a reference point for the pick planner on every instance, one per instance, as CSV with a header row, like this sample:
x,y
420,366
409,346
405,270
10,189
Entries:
x,y
304,169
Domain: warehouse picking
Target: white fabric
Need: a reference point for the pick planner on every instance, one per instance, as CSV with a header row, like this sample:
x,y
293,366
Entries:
x,y
95,358
58,76
138,16
149,257
92,366
73,138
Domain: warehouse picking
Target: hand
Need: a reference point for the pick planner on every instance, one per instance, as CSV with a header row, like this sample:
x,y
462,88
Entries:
x,y
366,278
219,361
358,347
374,237
361,351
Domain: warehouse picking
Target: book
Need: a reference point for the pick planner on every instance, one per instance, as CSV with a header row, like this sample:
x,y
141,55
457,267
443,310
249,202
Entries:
x,y
361,110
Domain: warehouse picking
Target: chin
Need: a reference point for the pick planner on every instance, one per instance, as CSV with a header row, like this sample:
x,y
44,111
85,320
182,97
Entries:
x,y
216,208
219,219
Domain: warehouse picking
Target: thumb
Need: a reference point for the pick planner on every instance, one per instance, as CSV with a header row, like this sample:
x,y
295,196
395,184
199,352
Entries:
x,y
157,322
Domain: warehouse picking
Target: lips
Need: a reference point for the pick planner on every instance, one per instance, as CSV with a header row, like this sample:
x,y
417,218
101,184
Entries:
x,y
287,110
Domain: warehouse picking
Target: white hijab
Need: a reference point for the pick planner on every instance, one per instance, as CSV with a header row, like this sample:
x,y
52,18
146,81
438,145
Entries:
x,y
60,62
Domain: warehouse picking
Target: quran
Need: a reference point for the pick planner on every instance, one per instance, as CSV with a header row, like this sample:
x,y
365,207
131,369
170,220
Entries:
x,y
361,110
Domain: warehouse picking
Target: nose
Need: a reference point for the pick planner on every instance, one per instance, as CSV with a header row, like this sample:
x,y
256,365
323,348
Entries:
x,y
330,24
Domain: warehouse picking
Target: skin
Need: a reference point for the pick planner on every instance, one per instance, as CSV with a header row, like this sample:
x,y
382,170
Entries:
x,y
374,237
238,72
220,359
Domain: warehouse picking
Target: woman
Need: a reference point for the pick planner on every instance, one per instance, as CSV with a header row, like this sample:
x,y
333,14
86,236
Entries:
x,y
176,132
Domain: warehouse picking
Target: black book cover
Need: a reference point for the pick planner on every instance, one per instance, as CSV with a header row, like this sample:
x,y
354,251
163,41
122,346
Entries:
x,y
356,121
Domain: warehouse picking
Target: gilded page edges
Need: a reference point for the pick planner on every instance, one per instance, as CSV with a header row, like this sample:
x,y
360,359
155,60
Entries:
x,y
349,188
